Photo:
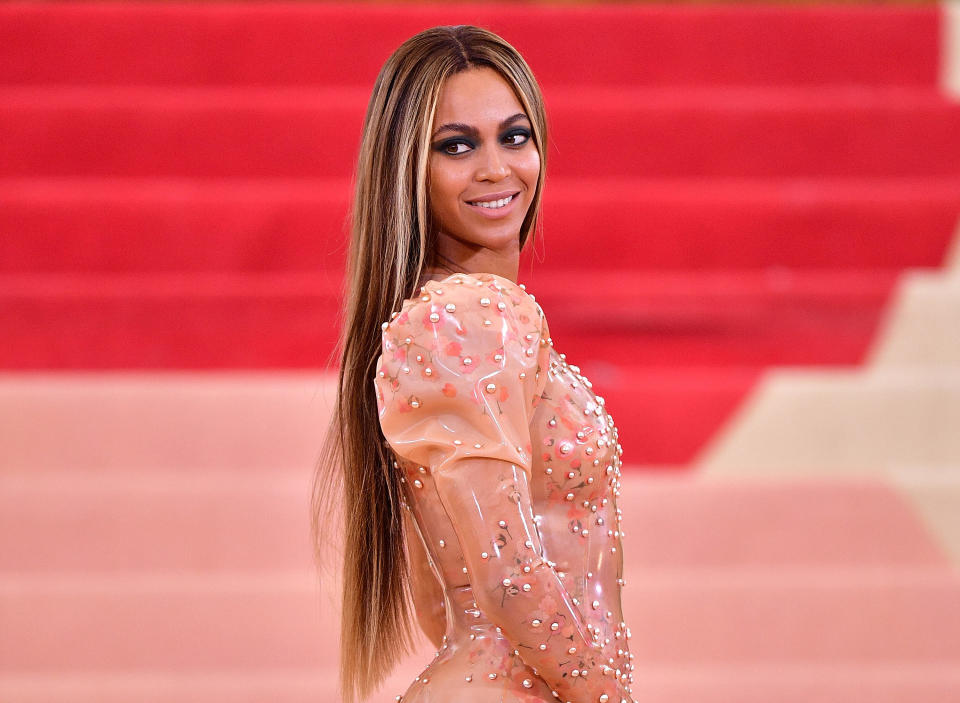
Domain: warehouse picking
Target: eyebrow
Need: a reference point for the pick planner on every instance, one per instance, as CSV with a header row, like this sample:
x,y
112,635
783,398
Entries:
x,y
473,131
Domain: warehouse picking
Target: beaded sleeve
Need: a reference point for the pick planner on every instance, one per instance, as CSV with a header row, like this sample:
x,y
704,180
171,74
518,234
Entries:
x,y
462,370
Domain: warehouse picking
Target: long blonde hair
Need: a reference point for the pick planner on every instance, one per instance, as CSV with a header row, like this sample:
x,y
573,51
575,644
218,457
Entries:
x,y
391,243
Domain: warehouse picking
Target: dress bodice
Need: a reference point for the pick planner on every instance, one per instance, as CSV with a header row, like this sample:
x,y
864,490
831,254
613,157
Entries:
x,y
511,467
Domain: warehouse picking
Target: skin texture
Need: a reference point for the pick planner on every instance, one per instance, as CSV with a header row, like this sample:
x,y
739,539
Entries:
x,y
464,166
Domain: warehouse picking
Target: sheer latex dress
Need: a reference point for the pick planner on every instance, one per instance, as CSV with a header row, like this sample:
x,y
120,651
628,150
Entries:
x,y
510,467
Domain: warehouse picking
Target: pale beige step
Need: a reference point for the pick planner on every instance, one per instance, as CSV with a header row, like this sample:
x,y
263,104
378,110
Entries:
x,y
935,497
950,48
166,422
922,324
841,423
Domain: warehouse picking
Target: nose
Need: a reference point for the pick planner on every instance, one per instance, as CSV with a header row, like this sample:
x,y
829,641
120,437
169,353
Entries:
x,y
494,166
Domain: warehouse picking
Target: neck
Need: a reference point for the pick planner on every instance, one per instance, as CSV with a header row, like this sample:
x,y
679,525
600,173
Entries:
x,y
460,259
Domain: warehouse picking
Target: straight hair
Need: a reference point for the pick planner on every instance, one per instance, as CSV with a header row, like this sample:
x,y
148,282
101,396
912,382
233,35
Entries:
x,y
356,498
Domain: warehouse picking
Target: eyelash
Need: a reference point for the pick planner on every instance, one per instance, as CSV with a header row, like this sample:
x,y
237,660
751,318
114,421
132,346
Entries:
x,y
517,132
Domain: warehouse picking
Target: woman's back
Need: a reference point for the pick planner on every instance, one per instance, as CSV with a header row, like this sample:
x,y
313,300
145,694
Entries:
x,y
511,469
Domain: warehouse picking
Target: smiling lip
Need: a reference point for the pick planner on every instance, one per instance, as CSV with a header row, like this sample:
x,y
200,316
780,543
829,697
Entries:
x,y
495,213
493,196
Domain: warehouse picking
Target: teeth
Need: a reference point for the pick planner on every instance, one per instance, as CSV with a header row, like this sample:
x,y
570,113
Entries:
x,y
494,204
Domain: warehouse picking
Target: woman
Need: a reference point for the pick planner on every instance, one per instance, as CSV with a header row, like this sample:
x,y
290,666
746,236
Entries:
x,y
488,500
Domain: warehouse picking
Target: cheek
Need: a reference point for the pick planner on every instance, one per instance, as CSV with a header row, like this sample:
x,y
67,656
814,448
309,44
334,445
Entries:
x,y
444,186
528,168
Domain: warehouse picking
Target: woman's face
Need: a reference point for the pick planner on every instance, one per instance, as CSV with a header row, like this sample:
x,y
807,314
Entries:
x,y
481,151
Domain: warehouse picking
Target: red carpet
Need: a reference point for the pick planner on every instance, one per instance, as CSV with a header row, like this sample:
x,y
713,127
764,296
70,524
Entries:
x,y
175,183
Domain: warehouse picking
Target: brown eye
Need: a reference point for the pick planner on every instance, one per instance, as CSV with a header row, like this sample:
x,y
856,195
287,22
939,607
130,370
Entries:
x,y
451,148
523,135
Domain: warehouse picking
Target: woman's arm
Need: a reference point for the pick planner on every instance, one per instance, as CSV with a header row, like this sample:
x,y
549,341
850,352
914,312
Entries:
x,y
427,594
488,502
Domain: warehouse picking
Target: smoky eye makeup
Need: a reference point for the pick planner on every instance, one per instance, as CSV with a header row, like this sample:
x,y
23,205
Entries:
x,y
444,145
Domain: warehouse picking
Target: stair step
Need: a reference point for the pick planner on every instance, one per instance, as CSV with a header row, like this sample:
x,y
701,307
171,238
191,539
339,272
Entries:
x,y
195,623
665,133
247,423
127,225
290,320
225,44
654,684
235,425
922,327
842,422
81,523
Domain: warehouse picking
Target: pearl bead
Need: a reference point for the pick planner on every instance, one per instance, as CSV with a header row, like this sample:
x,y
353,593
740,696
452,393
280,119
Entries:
x,y
554,626
384,326
484,555
484,302
492,675
506,582
491,388
501,306
434,317
418,483
442,543
535,622
467,361
414,403
502,523
526,587
468,678
527,683
428,371
543,647
450,307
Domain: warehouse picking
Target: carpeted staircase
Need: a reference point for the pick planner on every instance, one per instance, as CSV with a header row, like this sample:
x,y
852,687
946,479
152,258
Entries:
x,y
732,190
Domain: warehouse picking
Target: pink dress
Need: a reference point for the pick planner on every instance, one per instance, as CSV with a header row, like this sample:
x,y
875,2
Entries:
x,y
511,469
